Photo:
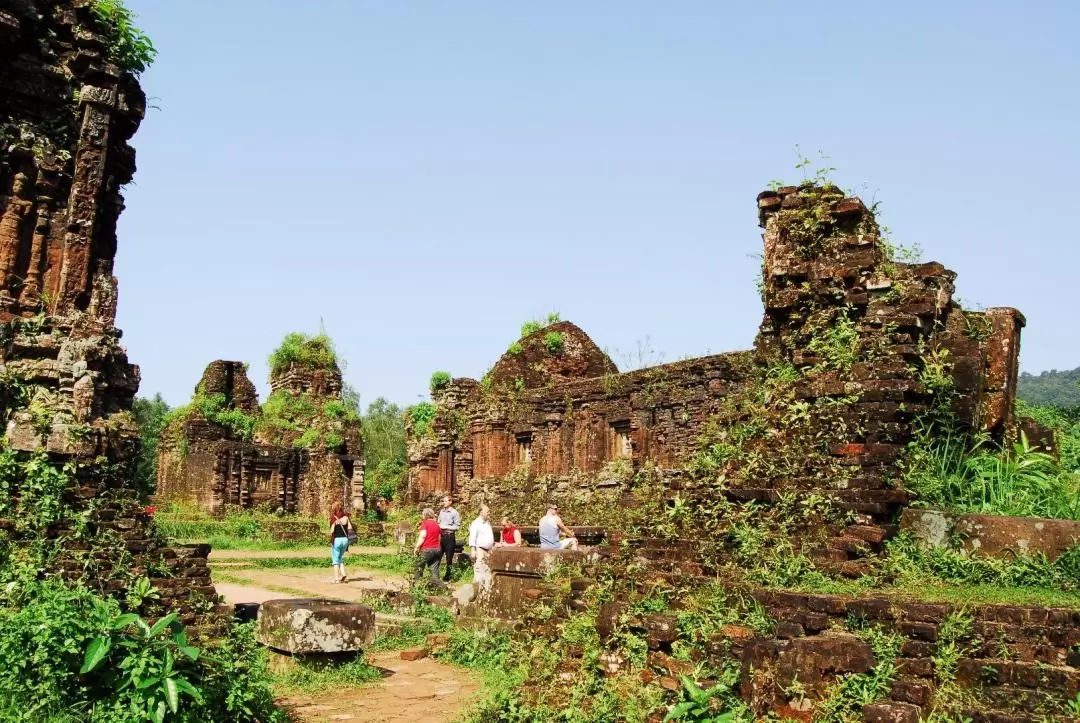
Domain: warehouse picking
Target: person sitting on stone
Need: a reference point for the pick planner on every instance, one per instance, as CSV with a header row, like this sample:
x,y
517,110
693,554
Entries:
x,y
427,547
550,527
339,541
511,534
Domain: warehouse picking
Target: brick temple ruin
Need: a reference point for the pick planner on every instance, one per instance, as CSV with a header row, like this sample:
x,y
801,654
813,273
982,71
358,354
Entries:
x,y
857,354
564,423
212,466
66,115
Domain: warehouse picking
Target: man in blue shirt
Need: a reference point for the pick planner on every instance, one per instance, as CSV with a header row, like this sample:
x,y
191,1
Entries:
x,y
449,522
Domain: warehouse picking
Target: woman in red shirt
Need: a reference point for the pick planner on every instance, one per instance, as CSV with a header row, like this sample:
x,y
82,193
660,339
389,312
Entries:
x,y
511,534
427,547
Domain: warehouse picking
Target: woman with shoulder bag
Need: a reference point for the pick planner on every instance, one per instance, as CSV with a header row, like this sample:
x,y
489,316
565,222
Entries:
x,y
340,528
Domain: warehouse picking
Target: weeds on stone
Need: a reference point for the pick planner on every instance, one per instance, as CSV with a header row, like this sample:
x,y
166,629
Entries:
x,y
555,342
214,408
719,703
844,701
421,415
128,46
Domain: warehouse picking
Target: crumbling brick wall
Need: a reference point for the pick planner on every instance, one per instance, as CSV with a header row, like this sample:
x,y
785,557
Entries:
x,y
852,340
1013,662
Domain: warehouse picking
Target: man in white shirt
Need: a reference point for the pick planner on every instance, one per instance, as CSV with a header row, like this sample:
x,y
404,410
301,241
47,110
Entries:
x,y
481,540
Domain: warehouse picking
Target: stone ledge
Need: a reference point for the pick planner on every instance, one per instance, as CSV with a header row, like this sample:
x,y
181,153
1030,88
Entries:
x,y
992,535
531,561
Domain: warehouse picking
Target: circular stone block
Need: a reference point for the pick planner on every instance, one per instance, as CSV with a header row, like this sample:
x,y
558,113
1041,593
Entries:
x,y
315,625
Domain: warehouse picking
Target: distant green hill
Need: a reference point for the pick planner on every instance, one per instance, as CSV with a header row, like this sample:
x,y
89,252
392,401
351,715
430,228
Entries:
x,y
1052,388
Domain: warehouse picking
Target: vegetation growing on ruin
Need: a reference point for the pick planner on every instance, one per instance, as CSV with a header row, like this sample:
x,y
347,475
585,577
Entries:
x,y
303,350
48,140
128,46
774,432
1065,423
215,408
421,415
562,675
958,470
439,380
971,475
286,414
554,342
532,326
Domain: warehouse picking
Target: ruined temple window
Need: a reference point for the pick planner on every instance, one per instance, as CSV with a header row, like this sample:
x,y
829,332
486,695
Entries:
x,y
524,448
262,480
621,447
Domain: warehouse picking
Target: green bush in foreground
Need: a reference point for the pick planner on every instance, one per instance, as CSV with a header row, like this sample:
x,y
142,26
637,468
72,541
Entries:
x,y
69,655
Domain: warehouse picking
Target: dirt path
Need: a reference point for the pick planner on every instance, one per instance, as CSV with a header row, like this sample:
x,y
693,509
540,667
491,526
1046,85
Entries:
x,y
414,690
234,593
304,582
217,555
418,690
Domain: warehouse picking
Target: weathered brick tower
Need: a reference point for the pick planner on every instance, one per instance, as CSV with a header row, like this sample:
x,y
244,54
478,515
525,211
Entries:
x,y
67,112
211,464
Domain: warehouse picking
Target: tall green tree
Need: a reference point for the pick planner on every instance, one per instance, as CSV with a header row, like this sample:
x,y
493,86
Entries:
x,y
150,416
1051,388
384,447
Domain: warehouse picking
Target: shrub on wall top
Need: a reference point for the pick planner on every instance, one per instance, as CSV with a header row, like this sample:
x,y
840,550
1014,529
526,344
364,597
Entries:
x,y
297,348
439,380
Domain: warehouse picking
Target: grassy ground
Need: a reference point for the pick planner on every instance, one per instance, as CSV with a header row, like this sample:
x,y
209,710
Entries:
x,y
399,562
226,542
245,529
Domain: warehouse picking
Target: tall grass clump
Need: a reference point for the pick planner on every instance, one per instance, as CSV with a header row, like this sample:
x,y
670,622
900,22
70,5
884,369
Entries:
x,y
1064,422
957,472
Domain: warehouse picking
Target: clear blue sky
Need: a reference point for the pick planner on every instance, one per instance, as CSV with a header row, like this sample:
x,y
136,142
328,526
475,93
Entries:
x,y
424,176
